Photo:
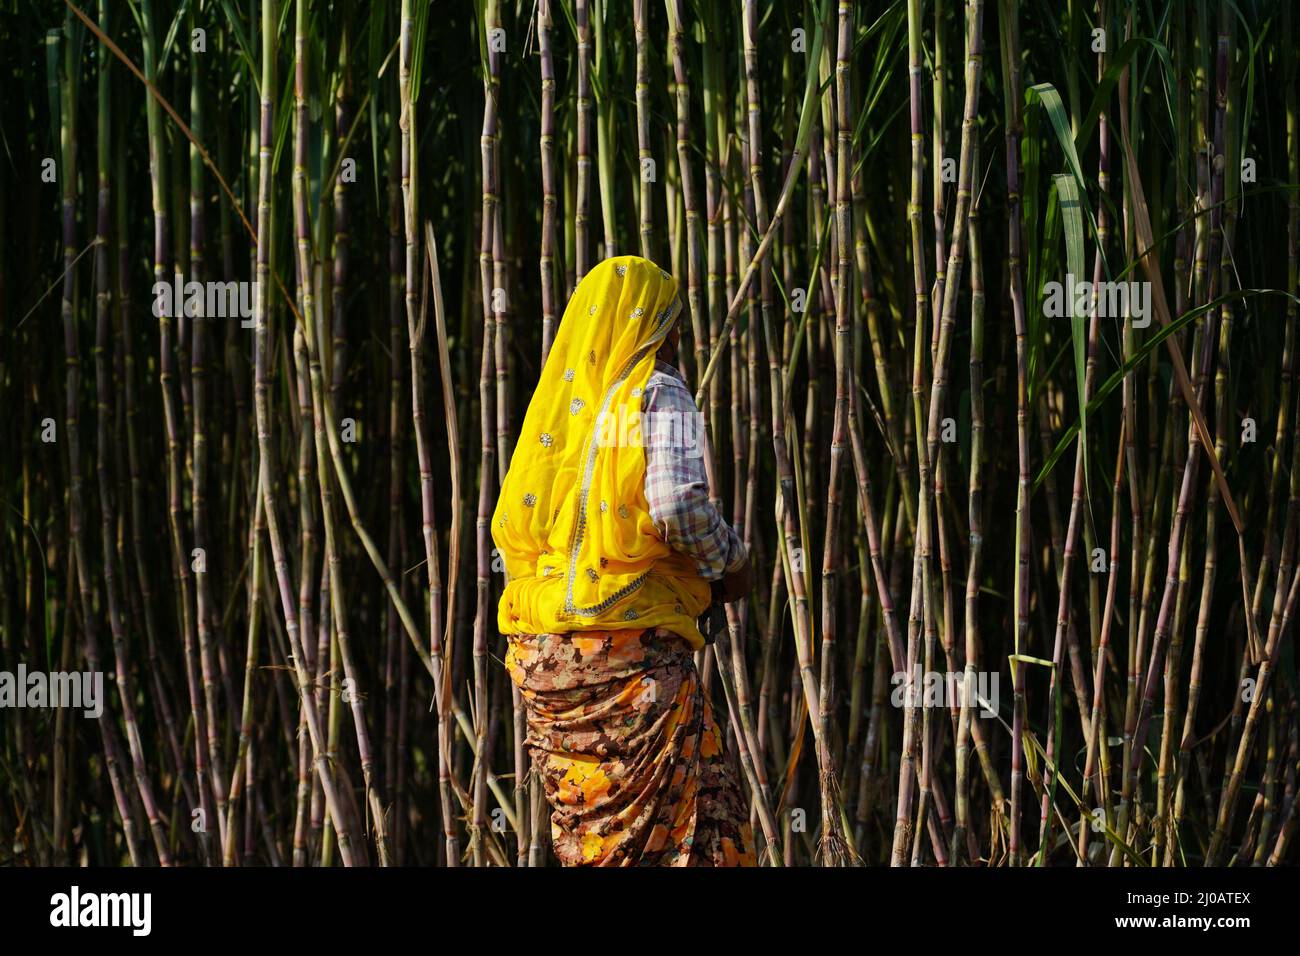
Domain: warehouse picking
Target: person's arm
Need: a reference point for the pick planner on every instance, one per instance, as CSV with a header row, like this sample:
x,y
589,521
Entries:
x,y
677,488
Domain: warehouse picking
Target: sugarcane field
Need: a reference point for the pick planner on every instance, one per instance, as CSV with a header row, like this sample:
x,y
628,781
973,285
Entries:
x,y
651,433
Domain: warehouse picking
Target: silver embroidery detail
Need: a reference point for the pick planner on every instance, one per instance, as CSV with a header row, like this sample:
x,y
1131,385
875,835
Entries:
x,y
591,575
622,511
621,269
530,499
575,406
568,375
630,615
546,439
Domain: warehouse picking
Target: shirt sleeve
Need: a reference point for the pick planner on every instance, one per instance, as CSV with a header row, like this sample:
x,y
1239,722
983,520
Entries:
x,y
676,486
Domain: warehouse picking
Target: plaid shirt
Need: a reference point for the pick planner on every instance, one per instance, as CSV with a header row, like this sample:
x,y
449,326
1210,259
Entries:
x,y
676,486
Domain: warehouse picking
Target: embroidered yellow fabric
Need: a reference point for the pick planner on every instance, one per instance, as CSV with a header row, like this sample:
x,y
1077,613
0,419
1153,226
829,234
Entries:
x,y
572,522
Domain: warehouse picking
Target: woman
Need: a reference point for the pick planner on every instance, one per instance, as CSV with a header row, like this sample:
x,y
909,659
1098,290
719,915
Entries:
x,y
611,547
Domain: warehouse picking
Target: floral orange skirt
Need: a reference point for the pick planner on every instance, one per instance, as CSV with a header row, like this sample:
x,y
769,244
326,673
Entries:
x,y
625,743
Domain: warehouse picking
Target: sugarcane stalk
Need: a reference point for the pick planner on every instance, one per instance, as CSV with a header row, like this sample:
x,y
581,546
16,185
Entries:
x,y
547,145
103,407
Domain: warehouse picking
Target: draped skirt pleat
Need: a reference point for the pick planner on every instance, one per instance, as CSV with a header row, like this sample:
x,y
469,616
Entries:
x,y
628,752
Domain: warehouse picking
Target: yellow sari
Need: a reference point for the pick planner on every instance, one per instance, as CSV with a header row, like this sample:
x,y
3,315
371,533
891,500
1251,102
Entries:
x,y
572,523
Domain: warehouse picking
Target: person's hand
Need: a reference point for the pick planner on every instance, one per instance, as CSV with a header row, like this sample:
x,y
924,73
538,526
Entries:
x,y
735,584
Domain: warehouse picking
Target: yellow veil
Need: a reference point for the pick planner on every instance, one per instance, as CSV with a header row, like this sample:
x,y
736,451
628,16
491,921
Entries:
x,y
572,522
